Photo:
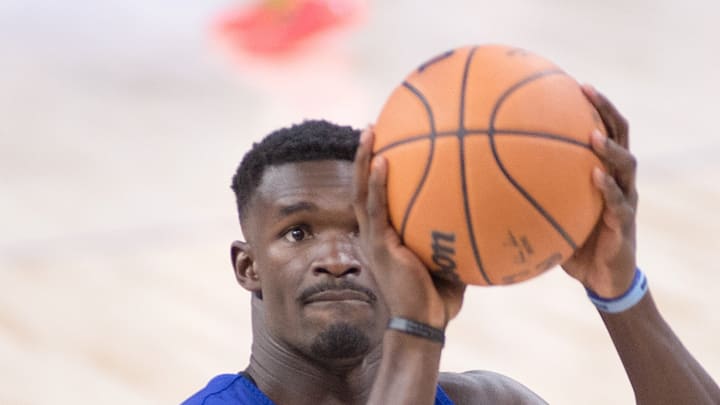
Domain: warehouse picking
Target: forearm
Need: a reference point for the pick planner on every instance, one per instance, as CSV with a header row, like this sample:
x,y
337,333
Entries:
x,y
659,367
408,372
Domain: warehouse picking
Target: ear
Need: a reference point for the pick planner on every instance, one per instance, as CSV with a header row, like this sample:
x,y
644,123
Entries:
x,y
244,267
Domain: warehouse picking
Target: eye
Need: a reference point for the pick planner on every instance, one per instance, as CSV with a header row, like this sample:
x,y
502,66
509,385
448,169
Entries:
x,y
296,234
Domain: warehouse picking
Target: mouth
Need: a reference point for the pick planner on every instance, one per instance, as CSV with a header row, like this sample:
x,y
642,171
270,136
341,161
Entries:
x,y
338,296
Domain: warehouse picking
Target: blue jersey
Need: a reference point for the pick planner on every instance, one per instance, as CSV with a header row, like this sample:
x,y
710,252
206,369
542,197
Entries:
x,y
236,389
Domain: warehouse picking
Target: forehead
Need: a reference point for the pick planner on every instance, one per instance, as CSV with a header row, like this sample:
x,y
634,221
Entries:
x,y
321,183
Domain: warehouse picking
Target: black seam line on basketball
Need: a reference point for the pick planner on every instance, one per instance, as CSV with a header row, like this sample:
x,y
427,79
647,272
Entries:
x,y
463,177
428,161
497,132
543,135
518,187
435,60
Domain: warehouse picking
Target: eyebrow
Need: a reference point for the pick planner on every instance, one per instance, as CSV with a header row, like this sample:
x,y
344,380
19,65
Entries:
x,y
288,210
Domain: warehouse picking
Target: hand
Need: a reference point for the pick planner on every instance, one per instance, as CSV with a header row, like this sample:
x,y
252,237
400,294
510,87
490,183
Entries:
x,y
405,283
606,262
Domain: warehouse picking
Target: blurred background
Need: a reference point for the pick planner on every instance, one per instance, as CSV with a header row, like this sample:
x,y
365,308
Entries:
x,y
121,123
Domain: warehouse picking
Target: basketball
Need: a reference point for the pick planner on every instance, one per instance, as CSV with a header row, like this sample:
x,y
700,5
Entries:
x,y
489,164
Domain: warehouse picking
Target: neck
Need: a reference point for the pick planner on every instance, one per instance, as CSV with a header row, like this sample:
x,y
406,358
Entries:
x,y
290,377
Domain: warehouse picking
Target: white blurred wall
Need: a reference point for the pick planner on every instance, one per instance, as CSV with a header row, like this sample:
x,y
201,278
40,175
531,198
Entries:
x,y
121,125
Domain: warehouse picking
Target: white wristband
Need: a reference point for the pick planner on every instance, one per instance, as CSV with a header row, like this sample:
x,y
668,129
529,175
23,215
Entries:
x,y
632,296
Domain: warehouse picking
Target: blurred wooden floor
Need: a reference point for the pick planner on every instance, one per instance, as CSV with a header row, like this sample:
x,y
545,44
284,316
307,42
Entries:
x,y
120,129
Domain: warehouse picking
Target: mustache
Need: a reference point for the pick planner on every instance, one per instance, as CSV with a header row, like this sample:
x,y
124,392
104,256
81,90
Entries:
x,y
342,285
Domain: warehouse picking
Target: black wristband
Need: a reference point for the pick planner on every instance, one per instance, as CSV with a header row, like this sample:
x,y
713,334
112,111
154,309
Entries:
x,y
417,329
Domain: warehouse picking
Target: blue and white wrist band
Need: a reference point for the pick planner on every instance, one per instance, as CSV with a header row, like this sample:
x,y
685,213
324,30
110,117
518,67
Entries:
x,y
632,296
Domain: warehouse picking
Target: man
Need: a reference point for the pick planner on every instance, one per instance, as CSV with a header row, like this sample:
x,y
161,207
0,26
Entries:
x,y
343,313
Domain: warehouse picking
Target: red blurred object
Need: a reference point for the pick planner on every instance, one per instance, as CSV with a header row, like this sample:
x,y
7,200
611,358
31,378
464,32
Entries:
x,y
272,28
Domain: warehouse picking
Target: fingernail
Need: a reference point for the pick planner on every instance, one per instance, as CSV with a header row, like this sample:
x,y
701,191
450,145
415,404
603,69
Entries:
x,y
588,89
598,175
364,136
598,137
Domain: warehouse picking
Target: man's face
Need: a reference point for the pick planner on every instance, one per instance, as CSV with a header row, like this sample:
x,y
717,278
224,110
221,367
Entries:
x,y
301,229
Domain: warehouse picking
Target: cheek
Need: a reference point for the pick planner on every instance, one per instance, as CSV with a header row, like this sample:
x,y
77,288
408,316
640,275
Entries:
x,y
281,273
281,265
278,253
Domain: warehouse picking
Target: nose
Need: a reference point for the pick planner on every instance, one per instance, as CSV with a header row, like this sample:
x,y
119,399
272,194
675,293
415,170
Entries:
x,y
337,257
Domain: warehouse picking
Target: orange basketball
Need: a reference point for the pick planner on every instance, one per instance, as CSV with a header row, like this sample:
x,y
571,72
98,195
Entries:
x,y
489,164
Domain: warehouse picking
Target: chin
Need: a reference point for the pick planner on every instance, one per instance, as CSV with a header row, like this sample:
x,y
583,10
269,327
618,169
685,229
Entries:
x,y
341,340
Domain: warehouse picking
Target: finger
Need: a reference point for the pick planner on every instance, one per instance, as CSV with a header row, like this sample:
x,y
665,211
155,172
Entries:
x,y
619,213
377,200
616,125
360,177
618,160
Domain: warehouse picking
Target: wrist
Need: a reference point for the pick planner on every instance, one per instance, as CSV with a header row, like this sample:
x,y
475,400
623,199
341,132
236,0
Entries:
x,y
417,329
629,298
610,281
408,370
428,311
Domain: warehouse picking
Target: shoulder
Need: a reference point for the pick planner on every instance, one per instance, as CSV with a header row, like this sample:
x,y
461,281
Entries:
x,y
472,387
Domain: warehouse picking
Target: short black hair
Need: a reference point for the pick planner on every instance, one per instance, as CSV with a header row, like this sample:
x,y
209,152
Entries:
x,y
308,141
